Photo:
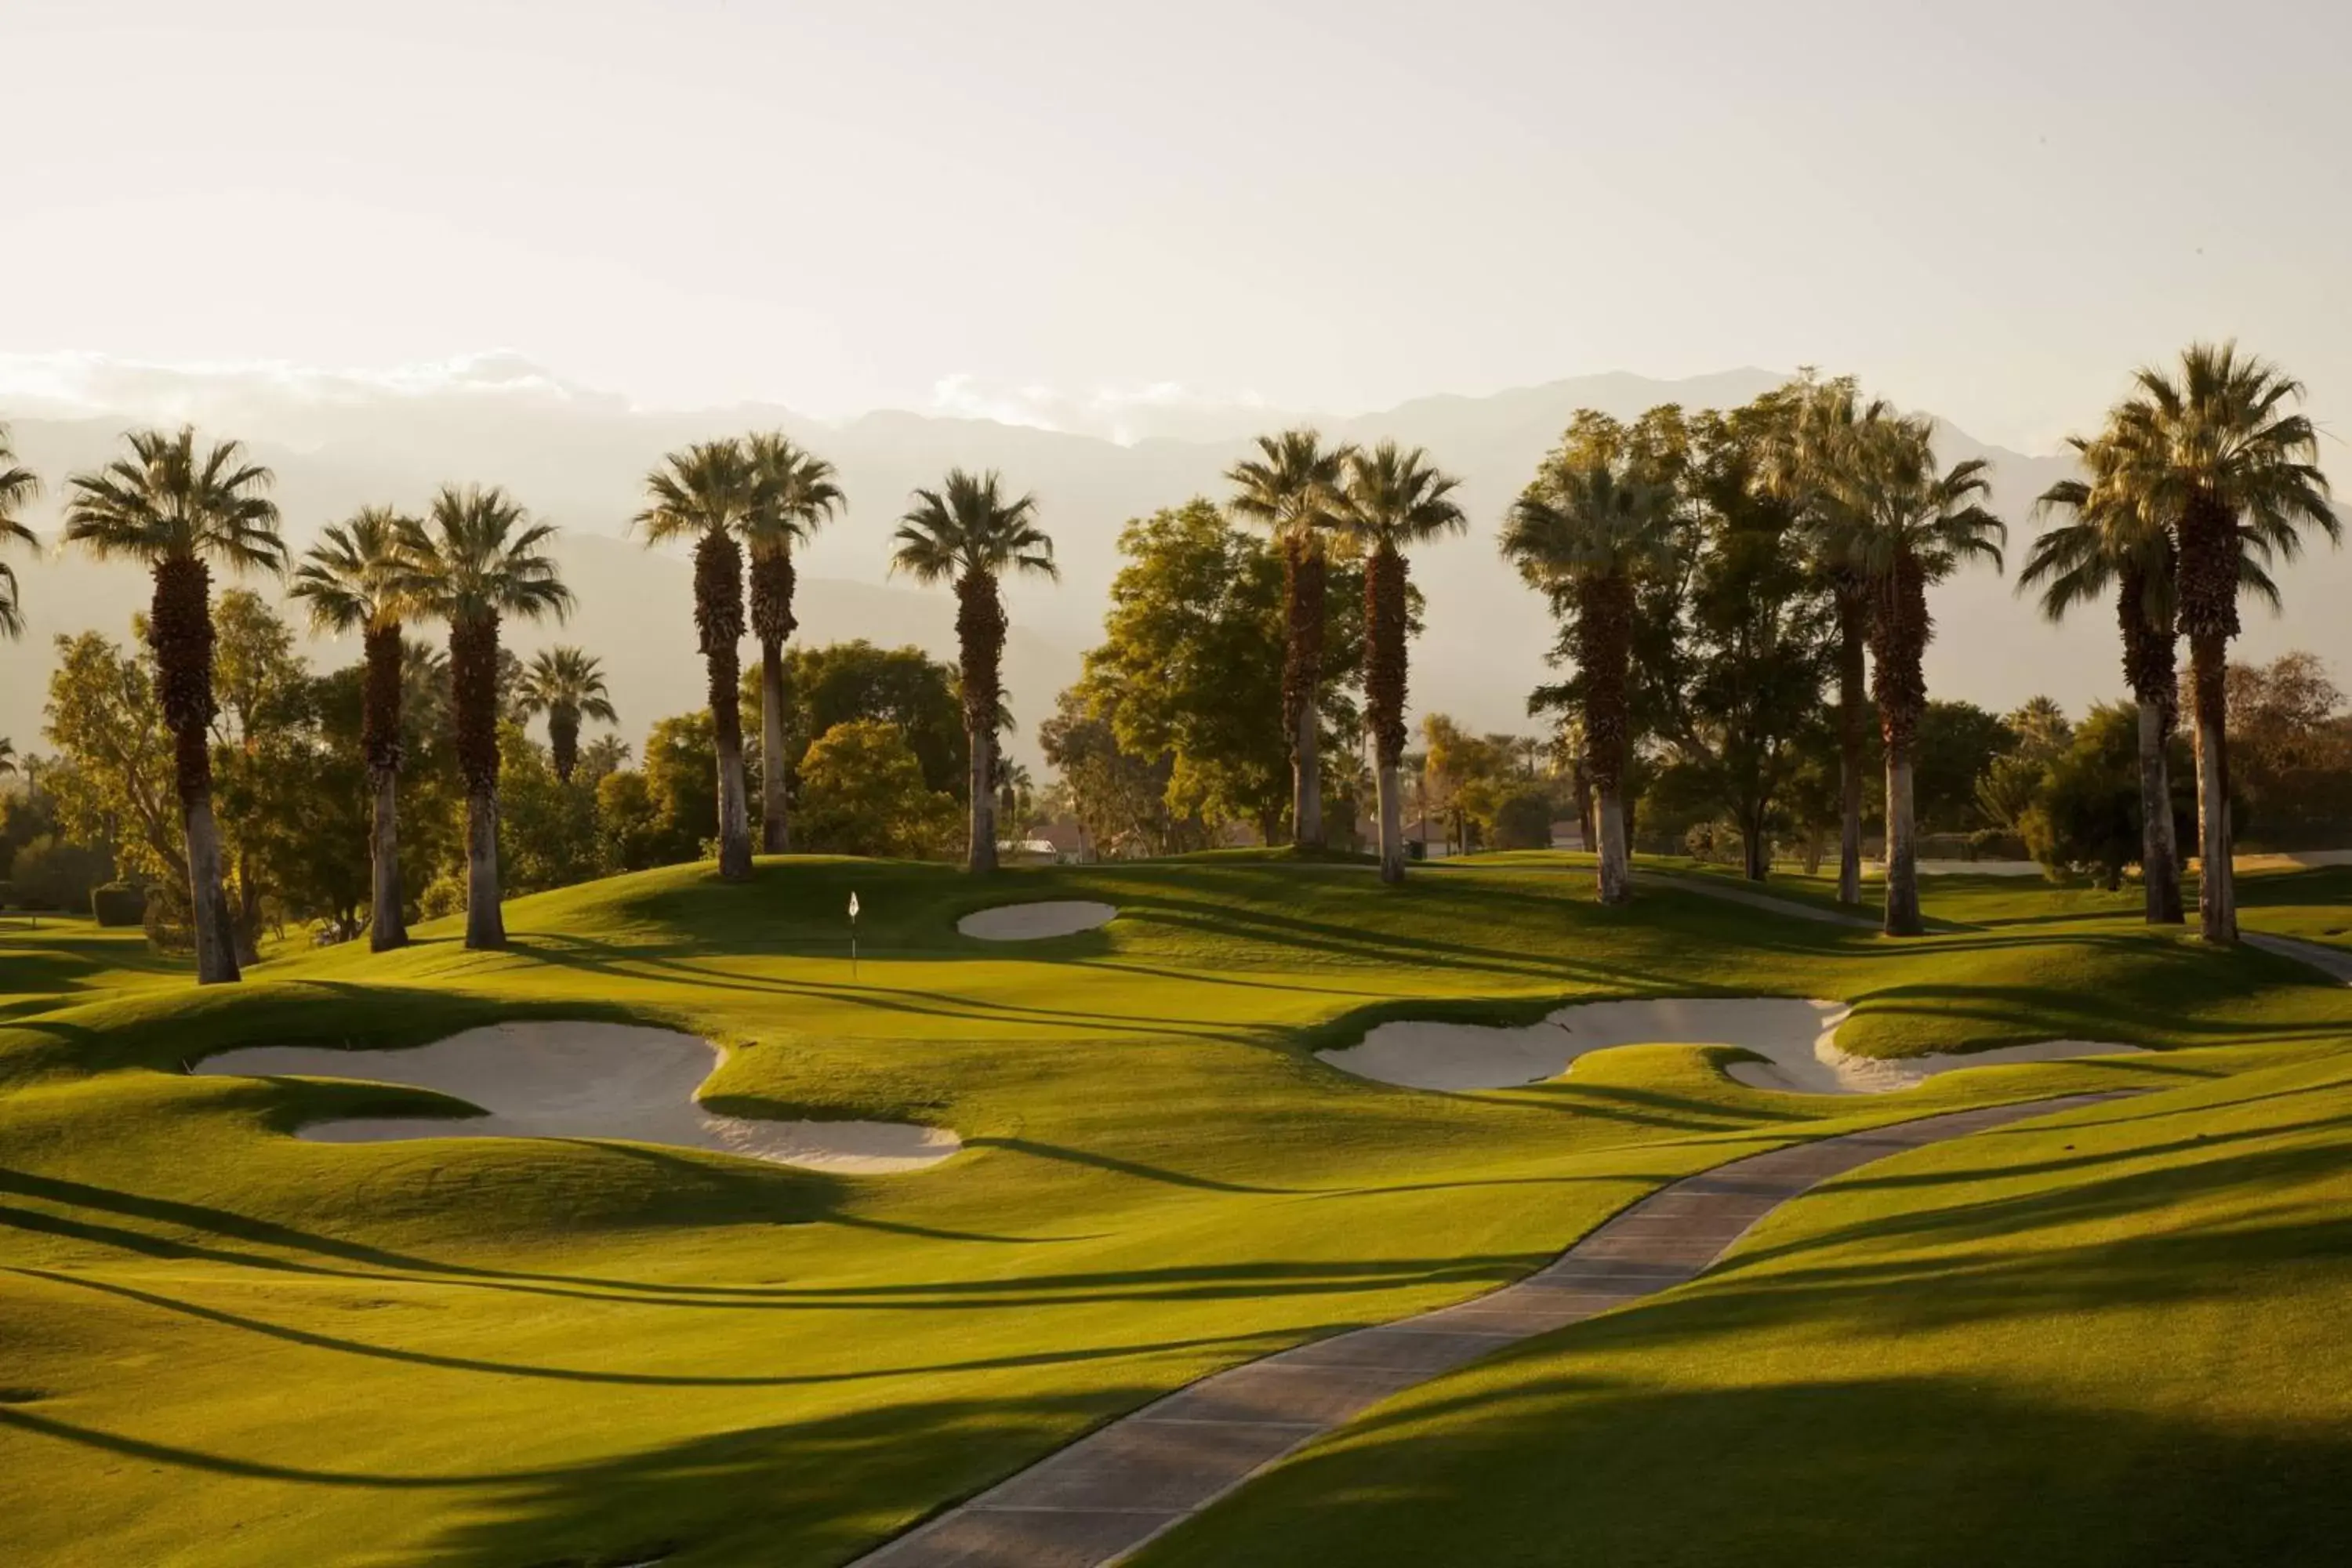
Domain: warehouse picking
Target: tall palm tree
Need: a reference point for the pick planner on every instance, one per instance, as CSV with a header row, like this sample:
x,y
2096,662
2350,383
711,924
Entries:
x,y
2219,454
177,510
1394,499
1586,532
967,533
567,684
1830,426
1295,488
354,580
1913,527
2104,543
476,559
17,486
706,492
794,495
7,757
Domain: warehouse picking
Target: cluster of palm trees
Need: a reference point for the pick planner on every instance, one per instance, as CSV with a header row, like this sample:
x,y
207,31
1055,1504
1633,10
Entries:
x,y
2201,480
1312,499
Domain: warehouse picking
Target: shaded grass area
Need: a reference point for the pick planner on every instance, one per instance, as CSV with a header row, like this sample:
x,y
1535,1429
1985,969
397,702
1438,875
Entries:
x,y
227,1345
2111,1337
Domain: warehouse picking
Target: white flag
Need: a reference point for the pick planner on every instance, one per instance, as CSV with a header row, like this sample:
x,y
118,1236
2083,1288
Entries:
x,y
853,906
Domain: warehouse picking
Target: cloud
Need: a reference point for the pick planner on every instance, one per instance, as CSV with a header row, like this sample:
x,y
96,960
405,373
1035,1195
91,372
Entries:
x,y
1122,413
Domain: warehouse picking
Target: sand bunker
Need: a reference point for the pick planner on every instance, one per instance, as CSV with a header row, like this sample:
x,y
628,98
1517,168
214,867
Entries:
x,y
1031,922
585,1080
1796,1038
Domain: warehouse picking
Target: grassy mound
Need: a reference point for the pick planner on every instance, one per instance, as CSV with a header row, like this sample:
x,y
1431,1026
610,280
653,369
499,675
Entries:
x,y
227,1345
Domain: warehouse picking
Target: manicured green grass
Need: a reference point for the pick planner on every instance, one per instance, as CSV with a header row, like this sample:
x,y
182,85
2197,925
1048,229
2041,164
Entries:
x,y
229,1346
2115,1336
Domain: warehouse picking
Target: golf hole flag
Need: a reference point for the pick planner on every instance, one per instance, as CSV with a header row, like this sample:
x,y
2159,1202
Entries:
x,y
853,906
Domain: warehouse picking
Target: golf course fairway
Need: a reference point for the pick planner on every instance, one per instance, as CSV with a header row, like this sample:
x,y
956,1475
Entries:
x,y
229,1345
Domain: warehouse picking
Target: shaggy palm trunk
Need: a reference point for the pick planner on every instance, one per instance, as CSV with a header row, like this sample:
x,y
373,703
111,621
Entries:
x,y
772,623
2150,667
1603,636
2208,613
474,693
980,631
1854,617
1384,694
180,631
1305,571
380,744
564,741
1899,629
718,624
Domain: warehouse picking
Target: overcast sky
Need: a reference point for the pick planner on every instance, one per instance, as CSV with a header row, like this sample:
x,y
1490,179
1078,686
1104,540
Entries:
x,y
1991,210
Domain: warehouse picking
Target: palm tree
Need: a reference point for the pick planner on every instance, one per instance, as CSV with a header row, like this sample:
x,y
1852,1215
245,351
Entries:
x,y
177,510
1830,426
794,495
2218,455
7,757
567,684
1393,499
352,580
1295,488
707,491
17,486
1912,527
604,755
1586,532
967,532
476,559
2104,543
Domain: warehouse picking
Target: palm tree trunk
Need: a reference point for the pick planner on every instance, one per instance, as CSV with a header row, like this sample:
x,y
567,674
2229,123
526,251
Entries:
x,y
486,926
1306,569
1392,806
979,634
1853,612
775,824
1902,848
1604,636
734,811
719,626
2217,892
982,854
2160,857
180,632
387,928
1616,875
1386,607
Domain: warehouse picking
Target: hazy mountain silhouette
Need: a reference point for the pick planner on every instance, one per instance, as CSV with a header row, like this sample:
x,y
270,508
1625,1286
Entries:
x,y
578,457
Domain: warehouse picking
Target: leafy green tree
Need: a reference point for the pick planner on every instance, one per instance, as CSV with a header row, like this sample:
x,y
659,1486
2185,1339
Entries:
x,y
862,794
1114,792
1586,530
476,559
630,829
1393,499
547,824
681,776
116,784
706,492
351,581
2085,820
794,495
1295,488
17,486
265,731
567,684
177,511
903,687
1953,745
967,533
2217,454
2291,751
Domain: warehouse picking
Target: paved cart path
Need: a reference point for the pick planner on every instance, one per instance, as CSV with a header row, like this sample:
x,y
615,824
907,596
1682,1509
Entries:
x,y
2330,961
1117,1488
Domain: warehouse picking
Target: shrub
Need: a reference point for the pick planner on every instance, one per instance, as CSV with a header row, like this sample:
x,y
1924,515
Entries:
x,y
51,874
445,895
118,904
8,896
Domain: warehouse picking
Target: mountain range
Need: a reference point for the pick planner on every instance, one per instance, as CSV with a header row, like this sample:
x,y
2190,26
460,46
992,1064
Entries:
x,y
578,457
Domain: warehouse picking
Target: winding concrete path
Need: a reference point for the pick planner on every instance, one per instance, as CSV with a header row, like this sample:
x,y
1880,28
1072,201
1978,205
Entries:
x,y
1117,1488
2330,961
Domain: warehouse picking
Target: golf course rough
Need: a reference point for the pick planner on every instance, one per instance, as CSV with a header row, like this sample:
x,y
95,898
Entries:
x,y
584,1080
1797,1039
1037,922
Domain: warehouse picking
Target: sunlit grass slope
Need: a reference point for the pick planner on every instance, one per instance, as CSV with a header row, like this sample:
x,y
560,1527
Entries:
x,y
2117,1336
225,1345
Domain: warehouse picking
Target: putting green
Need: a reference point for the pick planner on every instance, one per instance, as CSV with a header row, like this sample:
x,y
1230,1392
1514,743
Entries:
x,y
228,1345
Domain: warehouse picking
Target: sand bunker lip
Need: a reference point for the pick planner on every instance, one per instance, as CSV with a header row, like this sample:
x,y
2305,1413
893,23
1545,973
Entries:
x,y
1797,1039
585,1080
1033,922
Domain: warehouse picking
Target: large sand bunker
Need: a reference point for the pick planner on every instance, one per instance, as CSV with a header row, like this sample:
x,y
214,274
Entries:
x,y
1032,922
1796,1038
585,1080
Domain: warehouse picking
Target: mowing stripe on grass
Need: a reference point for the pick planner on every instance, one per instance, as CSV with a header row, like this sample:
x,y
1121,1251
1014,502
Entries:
x,y
1112,1490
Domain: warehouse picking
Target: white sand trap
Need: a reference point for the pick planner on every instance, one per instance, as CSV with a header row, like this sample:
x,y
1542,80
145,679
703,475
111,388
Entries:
x,y
1796,1038
1032,922
585,1080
